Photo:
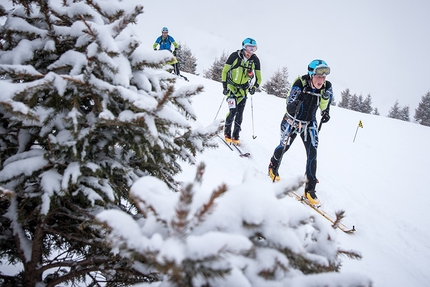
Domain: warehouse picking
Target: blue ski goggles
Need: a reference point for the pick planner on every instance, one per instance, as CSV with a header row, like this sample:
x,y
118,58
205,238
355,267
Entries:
x,y
322,70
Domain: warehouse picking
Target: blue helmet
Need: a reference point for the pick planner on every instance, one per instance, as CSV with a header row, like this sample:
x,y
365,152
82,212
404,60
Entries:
x,y
249,42
164,30
318,67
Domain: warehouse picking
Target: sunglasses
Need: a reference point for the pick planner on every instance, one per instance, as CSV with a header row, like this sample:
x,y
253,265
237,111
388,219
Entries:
x,y
250,48
322,71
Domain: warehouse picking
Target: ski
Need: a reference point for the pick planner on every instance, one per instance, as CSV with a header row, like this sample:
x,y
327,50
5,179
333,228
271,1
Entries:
x,y
230,146
241,153
226,143
183,77
327,216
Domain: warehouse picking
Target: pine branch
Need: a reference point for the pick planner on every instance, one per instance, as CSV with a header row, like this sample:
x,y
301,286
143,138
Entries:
x,y
292,188
180,223
339,216
208,207
350,254
167,94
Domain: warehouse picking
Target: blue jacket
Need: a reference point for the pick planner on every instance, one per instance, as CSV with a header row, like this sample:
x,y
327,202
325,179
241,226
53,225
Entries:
x,y
165,43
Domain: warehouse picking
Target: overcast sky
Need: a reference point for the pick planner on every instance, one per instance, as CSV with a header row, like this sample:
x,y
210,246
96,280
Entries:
x,y
373,47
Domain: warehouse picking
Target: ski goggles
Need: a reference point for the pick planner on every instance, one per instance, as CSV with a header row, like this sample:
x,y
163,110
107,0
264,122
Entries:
x,y
322,70
250,48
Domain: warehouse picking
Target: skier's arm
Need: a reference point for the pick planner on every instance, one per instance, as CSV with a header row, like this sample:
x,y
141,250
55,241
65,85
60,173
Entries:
x,y
173,42
175,45
224,73
156,43
257,72
295,97
326,98
227,67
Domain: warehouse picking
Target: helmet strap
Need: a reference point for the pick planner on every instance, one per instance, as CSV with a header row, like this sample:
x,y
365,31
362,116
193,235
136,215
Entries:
x,y
311,82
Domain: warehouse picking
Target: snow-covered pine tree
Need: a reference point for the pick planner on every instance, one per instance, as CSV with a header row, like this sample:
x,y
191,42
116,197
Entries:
x,y
366,106
355,102
278,84
404,114
248,235
399,113
375,112
85,112
422,113
345,99
215,71
187,61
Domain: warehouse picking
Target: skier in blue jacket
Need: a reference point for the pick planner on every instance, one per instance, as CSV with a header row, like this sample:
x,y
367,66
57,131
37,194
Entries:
x,y
166,42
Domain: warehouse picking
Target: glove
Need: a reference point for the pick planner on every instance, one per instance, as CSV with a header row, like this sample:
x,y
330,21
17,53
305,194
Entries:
x,y
225,91
245,86
325,117
252,90
326,95
174,52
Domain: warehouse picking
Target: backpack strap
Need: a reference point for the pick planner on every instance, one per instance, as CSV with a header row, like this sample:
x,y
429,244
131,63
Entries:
x,y
305,83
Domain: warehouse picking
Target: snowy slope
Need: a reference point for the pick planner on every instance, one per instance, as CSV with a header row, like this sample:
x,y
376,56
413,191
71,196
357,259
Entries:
x,y
377,180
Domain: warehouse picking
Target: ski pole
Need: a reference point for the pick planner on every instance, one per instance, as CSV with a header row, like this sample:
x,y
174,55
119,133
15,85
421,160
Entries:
x,y
252,117
222,101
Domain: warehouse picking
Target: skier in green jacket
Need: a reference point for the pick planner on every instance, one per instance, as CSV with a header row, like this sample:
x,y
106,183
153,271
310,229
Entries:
x,y
241,74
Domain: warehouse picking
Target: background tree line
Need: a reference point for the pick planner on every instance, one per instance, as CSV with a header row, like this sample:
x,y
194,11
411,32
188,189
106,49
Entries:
x,y
279,85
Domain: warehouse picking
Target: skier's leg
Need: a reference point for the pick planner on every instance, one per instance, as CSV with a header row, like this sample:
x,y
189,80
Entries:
x,y
287,134
239,118
176,68
310,141
230,116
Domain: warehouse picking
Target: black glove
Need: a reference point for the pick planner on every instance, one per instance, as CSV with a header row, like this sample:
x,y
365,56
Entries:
x,y
174,52
252,90
326,95
325,116
225,91
245,86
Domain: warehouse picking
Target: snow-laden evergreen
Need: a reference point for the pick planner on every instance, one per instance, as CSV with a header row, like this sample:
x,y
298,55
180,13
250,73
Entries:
x,y
229,238
85,113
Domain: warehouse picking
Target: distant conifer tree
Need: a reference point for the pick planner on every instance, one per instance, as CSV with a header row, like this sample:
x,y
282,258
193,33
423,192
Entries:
x,y
187,61
399,113
278,84
422,113
345,99
376,112
215,71
366,106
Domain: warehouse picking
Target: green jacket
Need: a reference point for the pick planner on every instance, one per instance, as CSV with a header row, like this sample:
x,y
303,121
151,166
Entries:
x,y
235,77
